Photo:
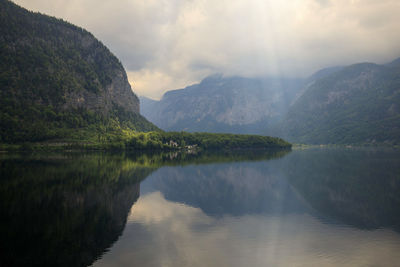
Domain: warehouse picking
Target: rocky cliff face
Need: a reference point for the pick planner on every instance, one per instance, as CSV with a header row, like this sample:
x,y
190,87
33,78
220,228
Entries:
x,y
118,92
223,104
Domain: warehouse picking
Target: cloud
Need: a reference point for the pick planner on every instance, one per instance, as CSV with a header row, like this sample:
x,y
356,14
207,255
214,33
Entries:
x,y
168,44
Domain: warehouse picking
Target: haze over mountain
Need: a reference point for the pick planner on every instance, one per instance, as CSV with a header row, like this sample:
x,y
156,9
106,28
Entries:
x,y
56,78
223,104
338,105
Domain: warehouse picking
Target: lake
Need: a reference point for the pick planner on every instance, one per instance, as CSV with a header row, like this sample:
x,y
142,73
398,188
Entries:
x,y
312,207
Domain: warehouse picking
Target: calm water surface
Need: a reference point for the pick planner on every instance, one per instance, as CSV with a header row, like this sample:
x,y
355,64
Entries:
x,y
315,207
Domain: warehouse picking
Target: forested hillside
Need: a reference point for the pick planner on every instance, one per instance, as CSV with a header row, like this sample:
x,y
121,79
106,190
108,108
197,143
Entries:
x,y
359,104
57,81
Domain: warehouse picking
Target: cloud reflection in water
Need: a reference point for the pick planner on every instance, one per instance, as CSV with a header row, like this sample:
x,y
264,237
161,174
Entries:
x,y
165,233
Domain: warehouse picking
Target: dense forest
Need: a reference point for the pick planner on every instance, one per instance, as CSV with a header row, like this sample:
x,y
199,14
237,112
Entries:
x,y
158,140
155,141
58,81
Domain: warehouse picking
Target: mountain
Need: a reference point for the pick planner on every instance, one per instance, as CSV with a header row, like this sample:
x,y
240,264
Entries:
x,y
394,63
223,104
314,77
56,78
323,73
358,104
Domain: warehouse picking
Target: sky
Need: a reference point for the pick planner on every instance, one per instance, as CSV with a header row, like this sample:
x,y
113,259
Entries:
x,y
170,44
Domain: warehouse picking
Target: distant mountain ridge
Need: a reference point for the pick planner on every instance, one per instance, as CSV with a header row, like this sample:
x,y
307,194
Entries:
x,y
359,104
223,104
55,77
356,104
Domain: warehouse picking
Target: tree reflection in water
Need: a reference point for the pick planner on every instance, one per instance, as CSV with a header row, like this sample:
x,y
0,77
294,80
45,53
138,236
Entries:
x,y
68,209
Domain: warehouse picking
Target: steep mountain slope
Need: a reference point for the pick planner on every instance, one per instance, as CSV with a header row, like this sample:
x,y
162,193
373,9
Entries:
x,y
55,77
223,104
314,77
357,104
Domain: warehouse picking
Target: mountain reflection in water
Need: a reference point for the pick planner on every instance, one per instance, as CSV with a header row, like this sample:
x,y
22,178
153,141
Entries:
x,y
317,207
322,207
64,210
68,209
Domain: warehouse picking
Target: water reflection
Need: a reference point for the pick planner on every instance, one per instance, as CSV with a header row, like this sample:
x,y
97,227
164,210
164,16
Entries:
x,y
318,207
358,187
68,209
325,207
230,188
64,210
166,233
